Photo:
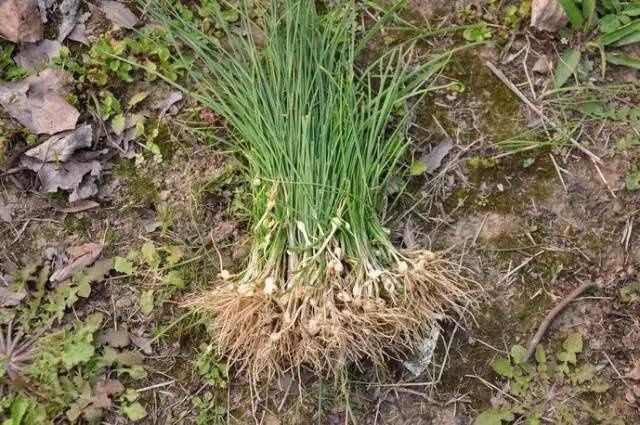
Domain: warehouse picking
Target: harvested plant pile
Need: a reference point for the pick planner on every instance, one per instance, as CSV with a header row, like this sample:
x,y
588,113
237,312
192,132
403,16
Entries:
x,y
320,137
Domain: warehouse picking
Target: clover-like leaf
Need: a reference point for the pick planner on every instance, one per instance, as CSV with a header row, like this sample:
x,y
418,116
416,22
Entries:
x,y
503,367
494,416
517,354
122,265
134,411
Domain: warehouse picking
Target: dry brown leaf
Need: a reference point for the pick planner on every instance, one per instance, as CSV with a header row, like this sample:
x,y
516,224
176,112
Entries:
x,y
38,102
548,15
166,103
81,257
20,21
434,158
69,11
78,206
119,14
33,56
59,148
78,177
79,34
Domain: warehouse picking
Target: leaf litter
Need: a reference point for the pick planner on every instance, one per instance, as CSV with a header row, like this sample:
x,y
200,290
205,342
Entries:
x,y
119,14
20,21
33,56
95,400
433,159
80,257
39,103
69,10
60,147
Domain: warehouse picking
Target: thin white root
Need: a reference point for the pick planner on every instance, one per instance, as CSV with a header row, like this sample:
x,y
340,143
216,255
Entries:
x,y
352,315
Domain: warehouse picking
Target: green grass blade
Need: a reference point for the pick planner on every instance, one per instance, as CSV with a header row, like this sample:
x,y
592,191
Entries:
x,y
623,59
588,12
632,28
573,13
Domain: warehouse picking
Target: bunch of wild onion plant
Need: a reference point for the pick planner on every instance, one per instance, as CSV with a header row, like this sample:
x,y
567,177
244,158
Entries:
x,y
320,136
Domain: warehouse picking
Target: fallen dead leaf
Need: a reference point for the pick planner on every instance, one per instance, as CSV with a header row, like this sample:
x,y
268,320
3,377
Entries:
x,y
166,103
79,32
119,14
78,206
434,158
548,15
20,21
38,102
69,12
60,147
33,56
81,257
45,6
78,177
9,298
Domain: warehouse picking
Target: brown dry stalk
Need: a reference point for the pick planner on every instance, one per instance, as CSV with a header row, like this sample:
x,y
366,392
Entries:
x,y
542,329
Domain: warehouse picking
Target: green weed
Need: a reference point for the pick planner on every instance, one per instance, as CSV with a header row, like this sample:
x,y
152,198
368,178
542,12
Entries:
x,y
572,109
632,181
9,70
550,386
601,26
160,268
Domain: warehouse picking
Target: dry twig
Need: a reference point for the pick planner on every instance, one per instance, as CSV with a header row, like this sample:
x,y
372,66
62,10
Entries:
x,y
552,315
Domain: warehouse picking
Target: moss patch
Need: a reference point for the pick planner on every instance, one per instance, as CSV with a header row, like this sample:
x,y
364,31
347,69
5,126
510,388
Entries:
x,y
141,189
503,185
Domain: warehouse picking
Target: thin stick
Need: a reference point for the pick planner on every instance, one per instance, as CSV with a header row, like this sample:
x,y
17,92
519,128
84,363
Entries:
x,y
490,385
152,387
555,164
513,88
604,180
537,110
552,315
419,394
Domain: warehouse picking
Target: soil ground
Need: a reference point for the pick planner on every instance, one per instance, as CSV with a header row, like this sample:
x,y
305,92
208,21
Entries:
x,y
528,235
